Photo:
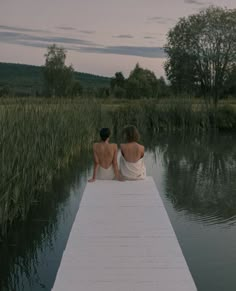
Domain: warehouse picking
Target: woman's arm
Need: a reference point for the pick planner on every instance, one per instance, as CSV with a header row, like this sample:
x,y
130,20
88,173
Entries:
x,y
142,151
115,164
95,165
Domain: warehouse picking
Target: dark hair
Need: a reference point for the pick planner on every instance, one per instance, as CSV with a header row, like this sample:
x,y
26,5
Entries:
x,y
130,133
105,133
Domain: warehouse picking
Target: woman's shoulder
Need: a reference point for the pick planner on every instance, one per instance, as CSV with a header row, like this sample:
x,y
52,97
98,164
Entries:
x,y
123,146
141,147
114,145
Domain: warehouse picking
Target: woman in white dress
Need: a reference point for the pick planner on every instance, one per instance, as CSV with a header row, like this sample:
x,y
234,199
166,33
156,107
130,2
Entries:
x,y
132,153
105,158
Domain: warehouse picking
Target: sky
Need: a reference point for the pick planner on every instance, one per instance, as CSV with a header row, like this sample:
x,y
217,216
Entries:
x,y
101,36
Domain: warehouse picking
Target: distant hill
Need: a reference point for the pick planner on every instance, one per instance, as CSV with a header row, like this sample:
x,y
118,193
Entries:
x,y
27,79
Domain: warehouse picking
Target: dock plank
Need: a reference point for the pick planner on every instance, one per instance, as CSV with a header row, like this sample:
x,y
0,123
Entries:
x,y
122,240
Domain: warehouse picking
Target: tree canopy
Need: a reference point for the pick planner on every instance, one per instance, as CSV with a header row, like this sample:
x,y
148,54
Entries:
x,y
140,83
58,77
201,52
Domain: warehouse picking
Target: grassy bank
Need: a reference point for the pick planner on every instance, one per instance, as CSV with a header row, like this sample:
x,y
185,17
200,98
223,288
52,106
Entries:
x,y
36,141
38,137
178,115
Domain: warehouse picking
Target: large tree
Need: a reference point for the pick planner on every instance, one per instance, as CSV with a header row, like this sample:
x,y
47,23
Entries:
x,y
118,84
201,50
141,83
231,82
58,77
118,80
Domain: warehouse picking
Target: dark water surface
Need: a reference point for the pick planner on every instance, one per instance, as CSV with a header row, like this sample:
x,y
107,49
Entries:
x,y
196,177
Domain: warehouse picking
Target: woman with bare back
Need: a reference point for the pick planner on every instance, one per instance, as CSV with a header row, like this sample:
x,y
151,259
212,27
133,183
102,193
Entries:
x,y
131,161
105,158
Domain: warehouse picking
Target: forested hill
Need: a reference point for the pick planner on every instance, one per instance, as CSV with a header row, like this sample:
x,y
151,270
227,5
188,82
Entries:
x,y
28,79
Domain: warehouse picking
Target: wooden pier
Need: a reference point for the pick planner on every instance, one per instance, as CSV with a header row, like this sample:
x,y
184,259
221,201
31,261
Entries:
x,y
122,240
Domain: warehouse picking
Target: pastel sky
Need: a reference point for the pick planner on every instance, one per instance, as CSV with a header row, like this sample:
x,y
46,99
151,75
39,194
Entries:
x,y
101,36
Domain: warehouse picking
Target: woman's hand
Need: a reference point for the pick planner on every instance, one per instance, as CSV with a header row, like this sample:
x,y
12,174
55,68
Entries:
x,y
121,178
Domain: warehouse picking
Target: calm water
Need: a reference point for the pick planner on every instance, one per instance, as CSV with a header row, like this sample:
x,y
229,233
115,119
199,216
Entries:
x,y
196,177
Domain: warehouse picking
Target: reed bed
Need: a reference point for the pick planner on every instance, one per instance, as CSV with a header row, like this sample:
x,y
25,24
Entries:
x,y
179,116
38,137
36,141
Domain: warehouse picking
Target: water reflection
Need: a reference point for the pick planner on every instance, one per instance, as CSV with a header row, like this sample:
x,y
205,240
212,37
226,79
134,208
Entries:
x,y
200,175
199,180
30,254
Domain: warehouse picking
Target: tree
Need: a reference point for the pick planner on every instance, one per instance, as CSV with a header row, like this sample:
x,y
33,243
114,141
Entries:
x,y
141,83
118,80
118,84
76,89
180,71
58,77
231,82
5,91
201,50
162,88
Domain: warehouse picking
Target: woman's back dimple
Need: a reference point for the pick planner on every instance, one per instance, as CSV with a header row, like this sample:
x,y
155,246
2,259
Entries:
x,y
131,152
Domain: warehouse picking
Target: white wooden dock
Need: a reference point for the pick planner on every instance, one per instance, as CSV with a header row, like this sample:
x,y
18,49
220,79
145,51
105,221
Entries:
x,y
122,240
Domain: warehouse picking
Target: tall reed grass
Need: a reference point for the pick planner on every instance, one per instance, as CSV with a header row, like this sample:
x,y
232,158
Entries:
x,y
36,140
175,116
38,137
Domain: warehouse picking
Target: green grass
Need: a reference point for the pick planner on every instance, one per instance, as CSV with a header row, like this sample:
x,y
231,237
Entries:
x,y
39,137
177,115
36,141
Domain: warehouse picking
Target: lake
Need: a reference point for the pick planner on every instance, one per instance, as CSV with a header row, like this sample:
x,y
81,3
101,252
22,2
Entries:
x,y
196,177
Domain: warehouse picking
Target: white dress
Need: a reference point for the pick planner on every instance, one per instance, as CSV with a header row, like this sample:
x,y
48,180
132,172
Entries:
x,y
105,174
132,171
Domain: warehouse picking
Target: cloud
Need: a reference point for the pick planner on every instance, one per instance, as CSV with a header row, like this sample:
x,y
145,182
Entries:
x,y
66,28
80,45
19,38
159,19
34,44
123,36
87,31
148,37
195,2
21,29
147,52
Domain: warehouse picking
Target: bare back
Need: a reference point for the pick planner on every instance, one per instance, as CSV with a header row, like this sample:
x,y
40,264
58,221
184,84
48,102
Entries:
x,y
132,151
105,154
